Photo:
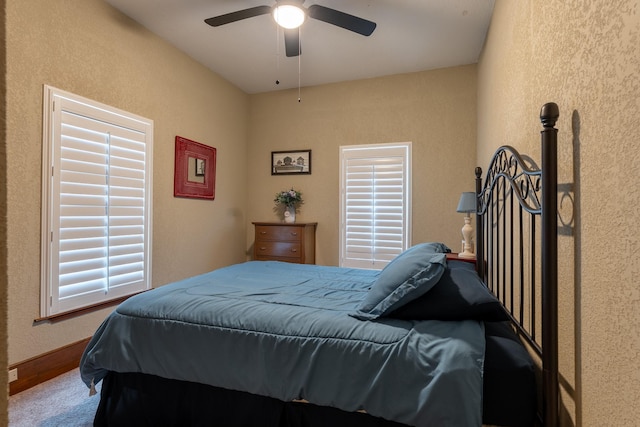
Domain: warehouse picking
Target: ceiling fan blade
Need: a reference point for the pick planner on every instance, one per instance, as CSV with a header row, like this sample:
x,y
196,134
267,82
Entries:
x,y
292,42
228,18
341,19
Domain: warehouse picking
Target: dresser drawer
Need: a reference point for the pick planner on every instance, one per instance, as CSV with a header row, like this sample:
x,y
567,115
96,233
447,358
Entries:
x,y
278,258
278,249
264,232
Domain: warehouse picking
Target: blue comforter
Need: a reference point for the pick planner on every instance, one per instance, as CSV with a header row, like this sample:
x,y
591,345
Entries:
x,y
283,330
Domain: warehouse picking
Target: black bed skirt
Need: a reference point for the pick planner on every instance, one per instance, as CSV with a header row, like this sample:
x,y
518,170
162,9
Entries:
x,y
133,399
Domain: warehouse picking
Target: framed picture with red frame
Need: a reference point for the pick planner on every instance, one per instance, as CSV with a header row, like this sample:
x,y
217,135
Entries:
x,y
195,170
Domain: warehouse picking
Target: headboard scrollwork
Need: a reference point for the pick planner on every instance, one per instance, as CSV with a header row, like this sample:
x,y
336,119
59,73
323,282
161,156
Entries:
x,y
524,180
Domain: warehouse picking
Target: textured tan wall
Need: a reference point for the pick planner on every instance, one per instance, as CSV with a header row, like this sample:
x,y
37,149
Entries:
x,y
88,48
585,56
435,110
3,223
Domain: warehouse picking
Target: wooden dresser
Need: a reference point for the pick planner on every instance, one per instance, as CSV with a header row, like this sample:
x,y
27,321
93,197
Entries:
x,y
277,241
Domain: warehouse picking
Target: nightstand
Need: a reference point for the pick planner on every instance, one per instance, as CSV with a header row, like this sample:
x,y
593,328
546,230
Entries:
x,y
276,241
453,256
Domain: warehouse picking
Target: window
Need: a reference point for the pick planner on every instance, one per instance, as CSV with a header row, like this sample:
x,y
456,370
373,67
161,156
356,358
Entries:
x,y
96,207
374,204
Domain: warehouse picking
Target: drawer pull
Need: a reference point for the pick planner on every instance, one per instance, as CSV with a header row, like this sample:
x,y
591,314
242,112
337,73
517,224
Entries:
x,y
293,233
294,250
263,248
263,232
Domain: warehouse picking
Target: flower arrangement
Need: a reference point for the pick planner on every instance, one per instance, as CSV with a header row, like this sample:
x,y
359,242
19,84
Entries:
x,y
288,198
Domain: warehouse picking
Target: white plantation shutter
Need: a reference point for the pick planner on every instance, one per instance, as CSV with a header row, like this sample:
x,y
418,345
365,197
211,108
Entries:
x,y
97,210
375,214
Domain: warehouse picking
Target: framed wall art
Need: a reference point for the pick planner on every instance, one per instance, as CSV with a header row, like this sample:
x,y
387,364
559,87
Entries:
x,y
195,170
291,162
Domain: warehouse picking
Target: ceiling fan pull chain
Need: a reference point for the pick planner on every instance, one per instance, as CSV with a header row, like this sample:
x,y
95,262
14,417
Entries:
x,y
277,54
299,60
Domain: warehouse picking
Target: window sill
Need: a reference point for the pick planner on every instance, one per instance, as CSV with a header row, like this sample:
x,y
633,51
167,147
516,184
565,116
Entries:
x,y
81,311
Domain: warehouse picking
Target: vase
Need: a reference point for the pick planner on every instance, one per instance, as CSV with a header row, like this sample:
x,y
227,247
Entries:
x,y
290,214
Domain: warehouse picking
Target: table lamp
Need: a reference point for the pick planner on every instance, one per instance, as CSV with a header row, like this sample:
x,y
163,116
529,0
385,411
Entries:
x,y
467,205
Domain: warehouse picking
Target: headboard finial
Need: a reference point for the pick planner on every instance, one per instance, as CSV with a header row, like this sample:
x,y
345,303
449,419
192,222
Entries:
x,y
549,114
478,172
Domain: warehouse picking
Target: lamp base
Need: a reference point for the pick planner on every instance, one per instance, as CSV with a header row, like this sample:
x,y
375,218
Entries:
x,y
467,243
466,254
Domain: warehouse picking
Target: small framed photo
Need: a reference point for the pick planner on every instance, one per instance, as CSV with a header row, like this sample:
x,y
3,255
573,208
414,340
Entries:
x,y
291,162
200,166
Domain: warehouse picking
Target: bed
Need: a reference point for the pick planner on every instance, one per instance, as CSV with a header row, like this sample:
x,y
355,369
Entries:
x,y
425,342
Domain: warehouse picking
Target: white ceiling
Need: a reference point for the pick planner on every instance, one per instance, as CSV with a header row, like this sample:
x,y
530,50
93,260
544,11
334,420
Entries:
x,y
411,35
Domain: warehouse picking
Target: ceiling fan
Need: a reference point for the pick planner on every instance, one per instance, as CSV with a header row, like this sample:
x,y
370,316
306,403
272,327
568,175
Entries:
x,y
284,10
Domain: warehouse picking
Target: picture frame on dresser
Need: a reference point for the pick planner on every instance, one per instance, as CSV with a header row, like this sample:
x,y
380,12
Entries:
x,y
195,170
292,162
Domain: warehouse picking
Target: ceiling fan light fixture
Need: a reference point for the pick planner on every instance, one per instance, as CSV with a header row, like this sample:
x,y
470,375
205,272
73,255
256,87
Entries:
x,y
288,15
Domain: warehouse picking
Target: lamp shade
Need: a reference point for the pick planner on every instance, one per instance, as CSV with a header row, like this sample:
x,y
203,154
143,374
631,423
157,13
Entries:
x,y
467,203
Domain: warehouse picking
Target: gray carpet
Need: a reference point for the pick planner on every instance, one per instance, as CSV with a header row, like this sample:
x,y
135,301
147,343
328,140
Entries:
x,y
62,401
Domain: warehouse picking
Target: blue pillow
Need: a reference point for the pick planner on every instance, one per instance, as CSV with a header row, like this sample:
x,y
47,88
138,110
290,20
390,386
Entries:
x,y
459,295
405,278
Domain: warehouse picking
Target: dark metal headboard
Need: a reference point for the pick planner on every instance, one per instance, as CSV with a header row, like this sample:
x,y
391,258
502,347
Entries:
x,y
517,262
